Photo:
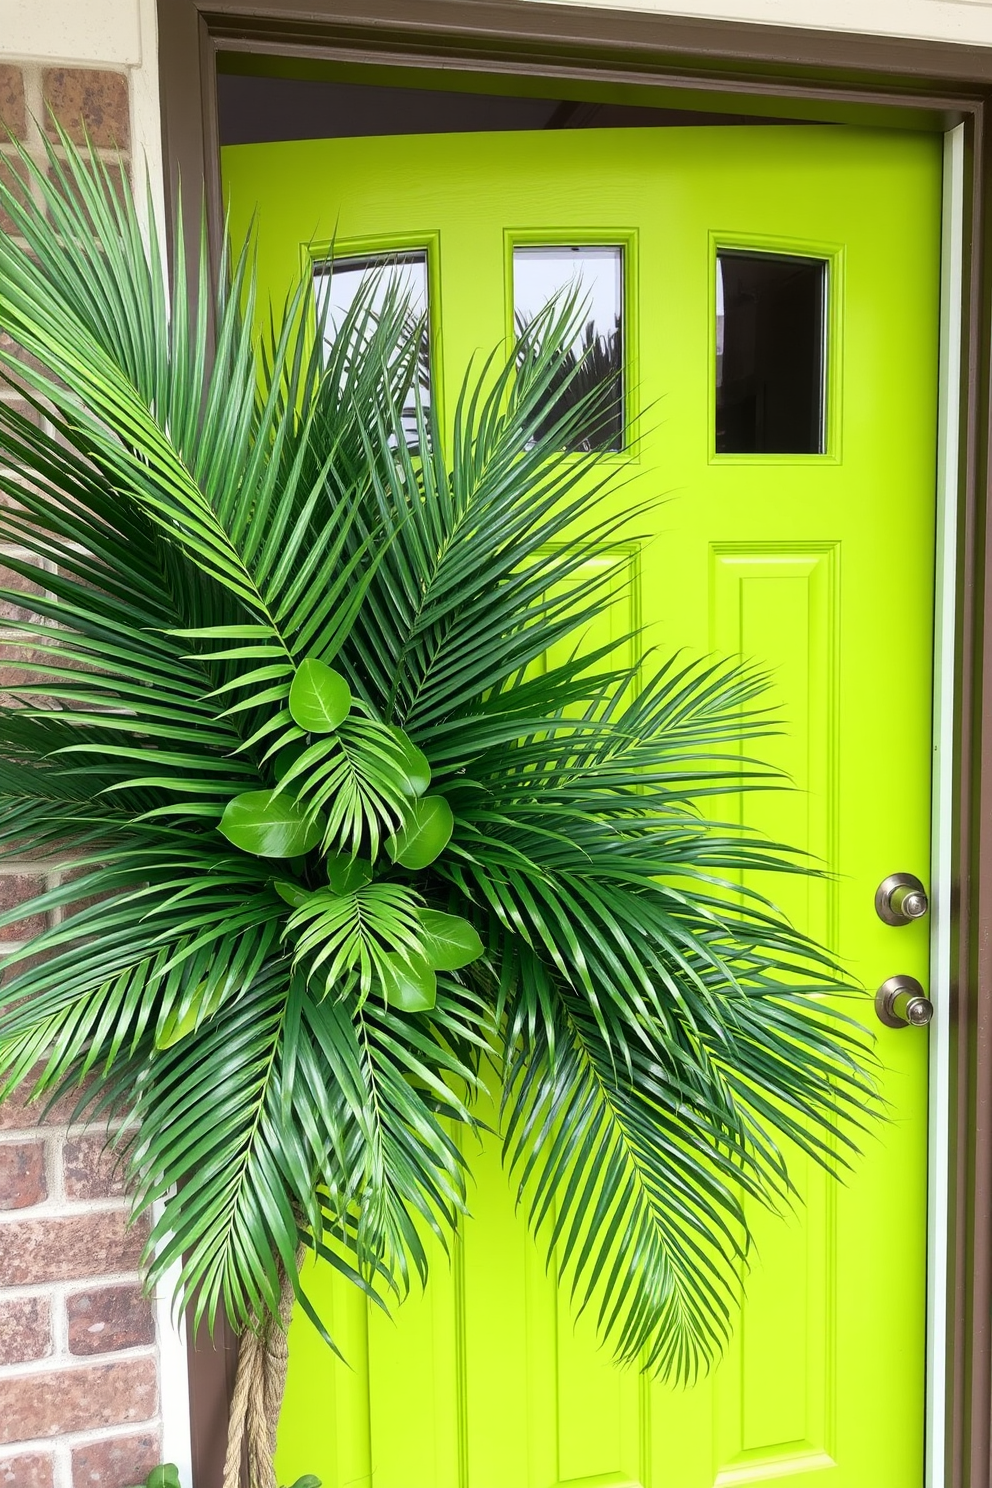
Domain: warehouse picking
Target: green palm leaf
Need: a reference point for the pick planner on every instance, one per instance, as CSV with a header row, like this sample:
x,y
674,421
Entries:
x,y
536,868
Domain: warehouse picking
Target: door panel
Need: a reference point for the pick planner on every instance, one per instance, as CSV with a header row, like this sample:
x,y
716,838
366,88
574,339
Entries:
x,y
817,566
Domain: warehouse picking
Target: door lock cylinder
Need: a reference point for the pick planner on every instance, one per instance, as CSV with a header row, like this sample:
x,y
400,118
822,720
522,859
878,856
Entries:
x,y
900,899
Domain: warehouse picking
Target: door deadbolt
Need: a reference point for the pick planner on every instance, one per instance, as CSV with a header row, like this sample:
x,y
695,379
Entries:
x,y
900,899
901,1002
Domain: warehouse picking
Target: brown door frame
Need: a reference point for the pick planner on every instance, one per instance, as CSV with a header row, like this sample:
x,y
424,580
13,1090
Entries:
x,y
722,66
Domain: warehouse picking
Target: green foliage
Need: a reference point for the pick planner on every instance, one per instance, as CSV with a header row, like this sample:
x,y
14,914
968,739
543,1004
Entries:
x,y
319,698
270,825
408,982
340,839
166,1475
425,833
450,943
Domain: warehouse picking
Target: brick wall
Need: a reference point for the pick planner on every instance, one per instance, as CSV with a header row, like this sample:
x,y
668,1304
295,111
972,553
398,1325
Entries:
x,y
78,1363
79,1373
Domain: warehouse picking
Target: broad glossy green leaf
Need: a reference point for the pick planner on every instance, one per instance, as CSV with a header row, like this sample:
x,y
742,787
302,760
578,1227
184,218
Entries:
x,y
450,942
307,1481
415,764
294,893
425,833
269,826
345,874
166,1475
319,697
408,984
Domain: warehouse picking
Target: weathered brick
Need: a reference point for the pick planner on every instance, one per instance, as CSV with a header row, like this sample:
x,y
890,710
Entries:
x,y
115,175
22,1175
31,673
11,348
89,104
104,1319
68,1248
116,1463
10,609
25,410
12,173
92,1169
17,1113
26,961
35,1406
27,1470
13,114
15,889
25,1331
8,499
69,874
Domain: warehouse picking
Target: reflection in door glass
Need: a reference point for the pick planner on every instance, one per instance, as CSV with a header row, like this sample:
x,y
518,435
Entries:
x,y
770,354
594,276
336,285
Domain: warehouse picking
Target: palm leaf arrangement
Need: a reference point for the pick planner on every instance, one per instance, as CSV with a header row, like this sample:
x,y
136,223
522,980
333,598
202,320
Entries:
x,y
342,848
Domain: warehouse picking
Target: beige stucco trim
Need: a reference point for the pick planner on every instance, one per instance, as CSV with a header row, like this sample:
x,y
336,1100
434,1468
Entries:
x,y
968,22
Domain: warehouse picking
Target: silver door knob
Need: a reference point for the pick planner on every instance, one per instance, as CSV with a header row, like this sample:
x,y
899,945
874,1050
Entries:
x,y
900,899
901,1002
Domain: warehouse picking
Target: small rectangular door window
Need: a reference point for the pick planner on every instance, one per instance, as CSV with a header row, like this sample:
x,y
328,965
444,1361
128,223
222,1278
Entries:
x,y
770,354
593,276
336,287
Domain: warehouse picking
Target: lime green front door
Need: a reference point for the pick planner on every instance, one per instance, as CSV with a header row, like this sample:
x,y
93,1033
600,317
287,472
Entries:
x,y
802,539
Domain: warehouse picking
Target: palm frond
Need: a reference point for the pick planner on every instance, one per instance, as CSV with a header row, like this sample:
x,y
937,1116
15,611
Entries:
x,y
293,931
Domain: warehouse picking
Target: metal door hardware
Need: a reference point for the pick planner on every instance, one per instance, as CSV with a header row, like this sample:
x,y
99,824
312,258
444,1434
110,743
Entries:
x,y
900,899
901,1002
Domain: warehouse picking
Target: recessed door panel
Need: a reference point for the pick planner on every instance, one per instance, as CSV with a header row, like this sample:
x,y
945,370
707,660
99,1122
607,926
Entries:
x,y
791,491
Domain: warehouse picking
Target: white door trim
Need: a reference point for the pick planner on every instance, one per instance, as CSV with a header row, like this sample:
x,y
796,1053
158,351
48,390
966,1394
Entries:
x,y
944,701
173,1364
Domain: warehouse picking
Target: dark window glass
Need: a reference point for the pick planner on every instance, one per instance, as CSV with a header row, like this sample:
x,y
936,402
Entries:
x,y
770,354
594,276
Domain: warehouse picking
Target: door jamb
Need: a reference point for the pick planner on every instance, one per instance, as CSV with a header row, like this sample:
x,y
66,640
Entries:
x,y
941,875
800,74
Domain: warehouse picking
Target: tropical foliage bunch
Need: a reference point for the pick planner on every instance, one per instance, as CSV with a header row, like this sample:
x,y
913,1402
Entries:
x,y
347,842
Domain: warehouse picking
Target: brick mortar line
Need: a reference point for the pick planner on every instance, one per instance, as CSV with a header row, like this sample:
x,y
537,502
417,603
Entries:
x,y
28,1291
106,154
30,61
76,1363
35,1133
59,1128
55,1168
65,1209
58,1314
110,154
49,1444
53,1150
34,103
62,1129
